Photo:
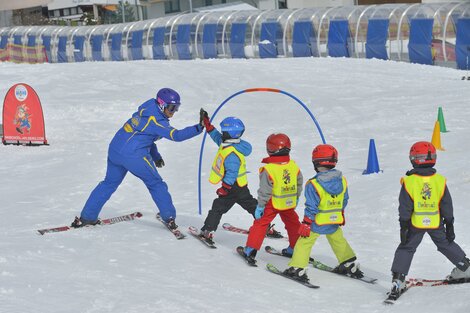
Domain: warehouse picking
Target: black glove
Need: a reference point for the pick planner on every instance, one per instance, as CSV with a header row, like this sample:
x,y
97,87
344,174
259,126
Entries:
x,y
160,163
404,231
449,225
202,115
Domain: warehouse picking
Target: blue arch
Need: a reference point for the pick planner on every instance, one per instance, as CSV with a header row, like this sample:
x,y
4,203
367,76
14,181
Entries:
x,y
230,98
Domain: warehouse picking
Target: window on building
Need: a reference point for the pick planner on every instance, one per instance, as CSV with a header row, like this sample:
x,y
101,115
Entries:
x,y
56,13
73,11
282,4
208,2
66,12
172,6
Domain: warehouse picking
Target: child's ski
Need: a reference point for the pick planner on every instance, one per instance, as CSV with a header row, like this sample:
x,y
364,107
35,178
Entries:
x,y
106,221
230,227
275,270
321,266
420,282
196,233
249,261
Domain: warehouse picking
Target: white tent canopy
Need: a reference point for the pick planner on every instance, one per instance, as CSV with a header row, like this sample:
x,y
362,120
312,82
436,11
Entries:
x,y
21,4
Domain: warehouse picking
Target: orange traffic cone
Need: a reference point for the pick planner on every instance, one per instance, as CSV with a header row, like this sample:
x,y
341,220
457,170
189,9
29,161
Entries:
x,y
436,137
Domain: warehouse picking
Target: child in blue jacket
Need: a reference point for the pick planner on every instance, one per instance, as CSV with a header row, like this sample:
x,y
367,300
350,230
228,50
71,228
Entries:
x,y
229,169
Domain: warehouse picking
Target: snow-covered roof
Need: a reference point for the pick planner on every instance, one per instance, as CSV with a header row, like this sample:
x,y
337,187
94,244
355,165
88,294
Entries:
x,y
233,6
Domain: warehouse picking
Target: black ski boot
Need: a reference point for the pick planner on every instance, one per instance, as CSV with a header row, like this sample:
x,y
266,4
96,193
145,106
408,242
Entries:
x,y
297,273
350,268
272,233
398,286
80,222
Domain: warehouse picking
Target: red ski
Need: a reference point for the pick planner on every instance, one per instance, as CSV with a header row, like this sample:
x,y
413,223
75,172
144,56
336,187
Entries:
x,y
107,221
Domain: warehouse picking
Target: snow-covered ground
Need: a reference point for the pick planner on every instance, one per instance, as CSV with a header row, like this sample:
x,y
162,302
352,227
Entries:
x,y
140,267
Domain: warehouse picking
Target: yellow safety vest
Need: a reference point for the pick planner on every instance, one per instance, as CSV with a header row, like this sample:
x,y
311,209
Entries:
x,y
284,178
330,208
218,167
426,193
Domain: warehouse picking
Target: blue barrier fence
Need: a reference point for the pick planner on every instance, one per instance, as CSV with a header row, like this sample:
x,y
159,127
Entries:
x,y
387,32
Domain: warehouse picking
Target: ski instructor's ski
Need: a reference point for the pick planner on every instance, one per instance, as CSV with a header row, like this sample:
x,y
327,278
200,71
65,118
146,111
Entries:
x,y
178,234
107,221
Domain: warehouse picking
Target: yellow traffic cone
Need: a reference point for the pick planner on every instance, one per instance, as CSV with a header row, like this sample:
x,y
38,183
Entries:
x,y
436,137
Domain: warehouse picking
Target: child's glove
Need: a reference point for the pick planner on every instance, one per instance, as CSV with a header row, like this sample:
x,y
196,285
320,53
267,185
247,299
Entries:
x,y
450,234
304,228
204,120
224,190
404,231
259,212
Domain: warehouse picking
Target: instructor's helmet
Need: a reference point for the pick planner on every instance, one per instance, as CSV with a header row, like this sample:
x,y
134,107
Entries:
x,y
324,156
232,128
278,144
423,154
168,99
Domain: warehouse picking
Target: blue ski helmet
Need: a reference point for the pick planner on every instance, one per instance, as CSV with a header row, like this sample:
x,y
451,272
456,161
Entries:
x,y
233,126
169,99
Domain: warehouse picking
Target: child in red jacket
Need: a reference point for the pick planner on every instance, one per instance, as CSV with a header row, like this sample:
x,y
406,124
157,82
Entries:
x,y
280,188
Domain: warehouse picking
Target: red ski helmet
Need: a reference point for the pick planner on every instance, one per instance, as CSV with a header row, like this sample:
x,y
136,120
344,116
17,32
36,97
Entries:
x,y
278,144
423,153
324,155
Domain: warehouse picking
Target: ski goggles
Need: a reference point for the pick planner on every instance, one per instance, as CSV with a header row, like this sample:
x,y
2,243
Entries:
x,y
172,108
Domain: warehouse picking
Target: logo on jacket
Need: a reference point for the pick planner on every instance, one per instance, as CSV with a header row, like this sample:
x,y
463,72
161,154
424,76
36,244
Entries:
x,y
286,176
426,191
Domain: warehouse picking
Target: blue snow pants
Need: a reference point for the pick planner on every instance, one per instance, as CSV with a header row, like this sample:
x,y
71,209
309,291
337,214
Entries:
x,y
118,166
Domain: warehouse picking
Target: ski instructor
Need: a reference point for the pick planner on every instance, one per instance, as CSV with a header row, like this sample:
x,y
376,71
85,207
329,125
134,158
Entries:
x,y
133,149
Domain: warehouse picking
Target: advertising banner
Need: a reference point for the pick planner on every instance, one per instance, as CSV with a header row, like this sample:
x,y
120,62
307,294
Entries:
x,y
23,120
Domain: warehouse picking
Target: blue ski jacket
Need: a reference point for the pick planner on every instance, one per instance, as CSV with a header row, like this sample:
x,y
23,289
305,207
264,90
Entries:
x,y
232,162
332,182
138,135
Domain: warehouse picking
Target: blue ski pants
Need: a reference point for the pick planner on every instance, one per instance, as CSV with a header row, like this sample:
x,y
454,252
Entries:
x,y
141,166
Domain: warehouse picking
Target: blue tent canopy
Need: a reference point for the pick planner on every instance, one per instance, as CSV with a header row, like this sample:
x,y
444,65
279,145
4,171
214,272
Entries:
x,y
183,36
338,37
116,42
158,42
62,49
136,45
46,41
237,40
377,34
268,39
17,40
209,41
462,45
96,43
419,46
78,45
304,43
3,41
31,40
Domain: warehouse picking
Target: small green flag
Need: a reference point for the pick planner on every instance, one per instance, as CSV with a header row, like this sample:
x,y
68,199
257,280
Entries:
x,y
440,118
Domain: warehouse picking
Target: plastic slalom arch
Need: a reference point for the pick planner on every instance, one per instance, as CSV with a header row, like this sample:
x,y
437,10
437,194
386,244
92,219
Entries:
x,y
230,98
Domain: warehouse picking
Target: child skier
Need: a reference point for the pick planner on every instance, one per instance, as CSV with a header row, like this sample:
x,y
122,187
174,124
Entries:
x,y
280,188
229,167
425,206
326,198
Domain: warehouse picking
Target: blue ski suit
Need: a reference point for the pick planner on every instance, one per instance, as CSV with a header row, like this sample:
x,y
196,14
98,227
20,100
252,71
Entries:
x,y
133,149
